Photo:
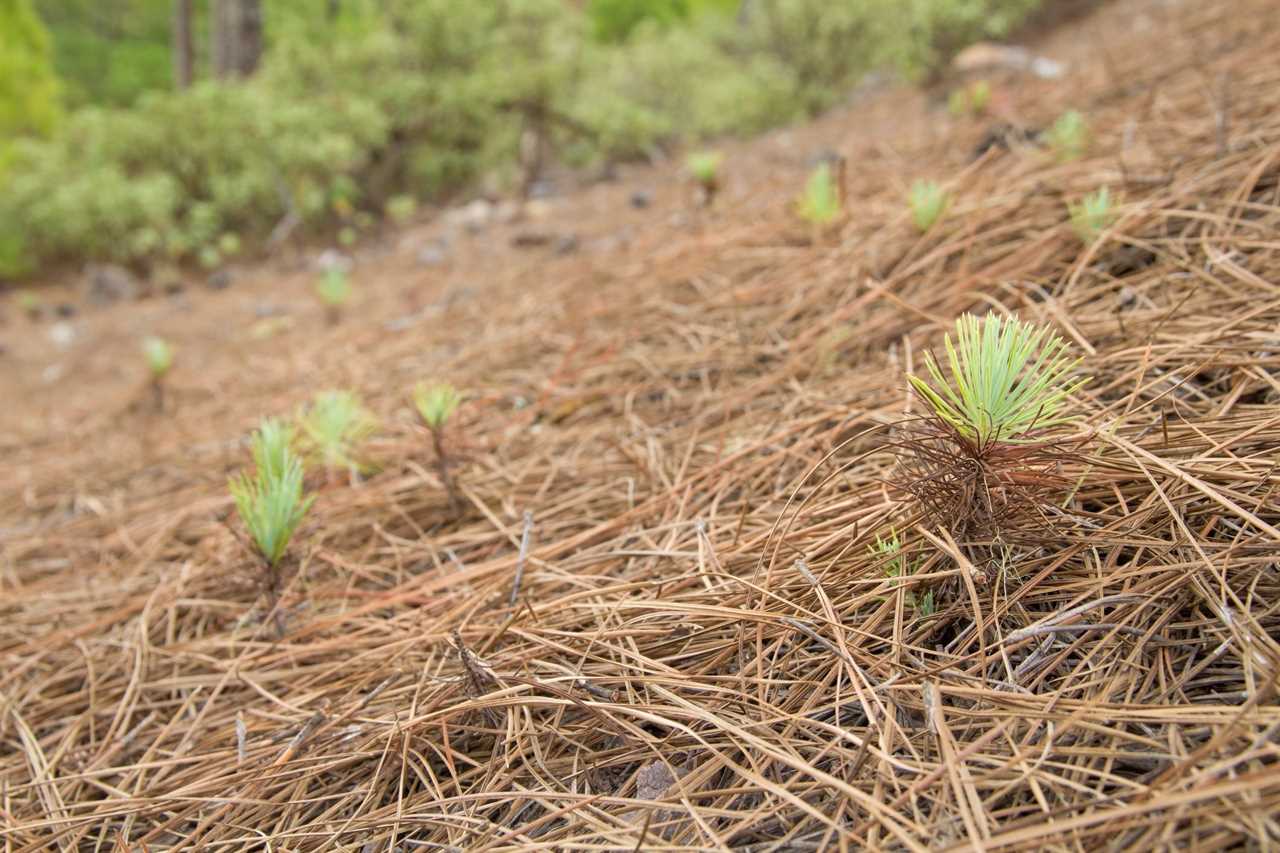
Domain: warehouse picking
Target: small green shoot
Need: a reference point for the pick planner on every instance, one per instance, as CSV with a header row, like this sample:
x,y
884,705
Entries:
x,y
334,291
29,304
1009,380
820,204
970,100
1069,136
1093,215
704,167
929,201
897,566
159,356
333,428
400,209
347,237
435,403
210,258
271,504
229,245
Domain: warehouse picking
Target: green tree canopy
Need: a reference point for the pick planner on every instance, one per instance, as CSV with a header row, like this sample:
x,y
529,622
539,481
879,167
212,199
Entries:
x,y
29,93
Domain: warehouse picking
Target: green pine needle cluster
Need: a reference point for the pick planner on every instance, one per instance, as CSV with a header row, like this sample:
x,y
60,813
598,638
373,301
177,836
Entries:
x,y
704,166
159,356
820,204
334,288
334,426
1092,215
270,503
897,566
1069,136
435,402
929,202
1008,381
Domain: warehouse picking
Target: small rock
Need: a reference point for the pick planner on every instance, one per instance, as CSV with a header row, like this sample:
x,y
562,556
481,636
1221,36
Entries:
x,y
65,309
63,335
542,190
431,256
220,280
538,209
107,283
531,239
266,309
331,259
474,216
567,244
987,56
508,212
640,199
653,780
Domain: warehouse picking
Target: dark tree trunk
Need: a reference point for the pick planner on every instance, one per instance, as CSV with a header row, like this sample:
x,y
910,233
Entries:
x,y
183,46
237,37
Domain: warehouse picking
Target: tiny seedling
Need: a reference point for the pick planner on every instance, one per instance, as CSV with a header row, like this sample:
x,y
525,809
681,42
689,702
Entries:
x,y
970,100
704,166
1092,215
270,503
1009,381
347,237
333,428
400,209
929,201
820,204
1069,136
435,403
229,245
334,290
159,356
896,565
210,258
29,304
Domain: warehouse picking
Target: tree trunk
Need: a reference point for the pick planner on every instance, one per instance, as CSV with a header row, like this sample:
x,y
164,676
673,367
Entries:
x,y
237,37
183,46
335,8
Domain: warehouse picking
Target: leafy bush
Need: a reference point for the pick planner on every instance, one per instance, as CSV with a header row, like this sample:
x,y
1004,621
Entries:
x,y
29,92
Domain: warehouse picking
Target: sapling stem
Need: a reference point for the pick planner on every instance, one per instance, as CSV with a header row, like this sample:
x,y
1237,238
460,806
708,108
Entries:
x,y
442,465
435,403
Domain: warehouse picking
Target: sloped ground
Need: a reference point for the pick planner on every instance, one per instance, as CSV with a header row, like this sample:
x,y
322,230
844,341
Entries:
x,y
686,406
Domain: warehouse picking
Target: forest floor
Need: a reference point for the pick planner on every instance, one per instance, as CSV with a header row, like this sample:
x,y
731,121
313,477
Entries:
x,y
696,411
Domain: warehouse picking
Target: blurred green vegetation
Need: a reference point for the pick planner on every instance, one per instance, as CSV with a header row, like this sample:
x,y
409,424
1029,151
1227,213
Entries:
x,y
401,98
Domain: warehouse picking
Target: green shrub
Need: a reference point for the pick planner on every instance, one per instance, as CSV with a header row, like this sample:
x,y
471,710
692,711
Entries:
x,y
29,90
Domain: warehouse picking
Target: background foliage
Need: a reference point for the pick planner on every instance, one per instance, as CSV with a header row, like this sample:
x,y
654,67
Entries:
x,y
399,97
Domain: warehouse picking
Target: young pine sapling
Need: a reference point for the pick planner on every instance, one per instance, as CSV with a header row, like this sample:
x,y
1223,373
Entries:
x,y
334,291
820,205
1069,136
1092,215
435,403
896,565
271,503
159,356
333,428
929,202
704,167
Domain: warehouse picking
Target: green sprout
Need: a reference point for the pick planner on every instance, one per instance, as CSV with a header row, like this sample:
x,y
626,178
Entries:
x,y
1069,136
229,245
897,566
334,290
270,503
970,100
820,204
1010,381
210,258
347,237
29,304
1093,215
704,166
333,427
435,403
159,356
929,201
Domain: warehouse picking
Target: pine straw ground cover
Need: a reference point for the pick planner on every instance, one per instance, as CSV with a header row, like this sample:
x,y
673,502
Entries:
x,y
690,642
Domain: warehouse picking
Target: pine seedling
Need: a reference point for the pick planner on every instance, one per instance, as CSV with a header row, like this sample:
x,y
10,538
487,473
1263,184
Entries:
x,y
820,204
29,304
159,356
1009,381
333,428
334,290
897,566
929,202
1092,215
435,403
272,447
704,167
1069,136
979,97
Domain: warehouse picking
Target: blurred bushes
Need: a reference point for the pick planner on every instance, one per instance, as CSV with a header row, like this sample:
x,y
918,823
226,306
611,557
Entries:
x,y
414,97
